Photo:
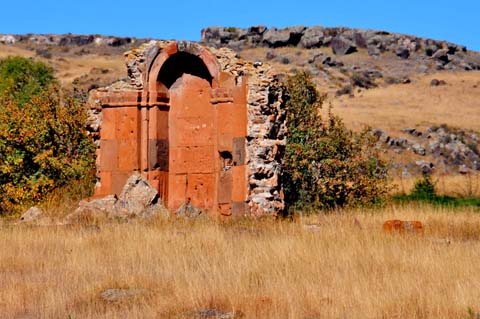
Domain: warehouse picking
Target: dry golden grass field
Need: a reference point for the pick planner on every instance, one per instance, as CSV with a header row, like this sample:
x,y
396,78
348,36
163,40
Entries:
x,y
341,268
416,104
344,266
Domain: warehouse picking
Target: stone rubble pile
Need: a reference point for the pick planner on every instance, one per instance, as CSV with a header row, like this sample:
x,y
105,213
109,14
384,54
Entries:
x,y
137,199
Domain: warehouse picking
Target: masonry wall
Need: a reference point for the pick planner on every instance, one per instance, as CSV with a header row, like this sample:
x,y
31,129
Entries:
x,y
214,143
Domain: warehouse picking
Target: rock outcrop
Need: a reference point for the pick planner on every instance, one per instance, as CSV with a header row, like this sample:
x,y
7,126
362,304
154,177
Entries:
x,y
443,148
69,40
343,41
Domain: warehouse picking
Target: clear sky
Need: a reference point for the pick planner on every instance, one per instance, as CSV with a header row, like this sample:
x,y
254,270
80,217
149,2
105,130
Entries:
x,y
455,21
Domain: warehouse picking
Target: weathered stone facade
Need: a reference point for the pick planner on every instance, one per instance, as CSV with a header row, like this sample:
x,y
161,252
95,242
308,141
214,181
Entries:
x,y
202,125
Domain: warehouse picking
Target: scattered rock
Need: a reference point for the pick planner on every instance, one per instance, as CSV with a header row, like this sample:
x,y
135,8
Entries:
x,y
402,52
363,79
328,61
378,132
213,313
346,90
189,211
419,149
425,167
256,64
464,170
121,295
314,228
284,59
270,55
436,82
7,39
32,214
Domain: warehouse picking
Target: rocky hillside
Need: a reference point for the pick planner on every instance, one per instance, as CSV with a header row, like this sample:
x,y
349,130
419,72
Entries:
x,y
344,41
65,40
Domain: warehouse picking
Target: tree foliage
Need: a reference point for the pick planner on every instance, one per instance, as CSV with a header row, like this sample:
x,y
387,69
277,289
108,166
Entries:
x,y
43,143
326,165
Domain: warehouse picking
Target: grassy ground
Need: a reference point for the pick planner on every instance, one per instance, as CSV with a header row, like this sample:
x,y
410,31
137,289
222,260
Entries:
x,y
466,186
263,269
416,104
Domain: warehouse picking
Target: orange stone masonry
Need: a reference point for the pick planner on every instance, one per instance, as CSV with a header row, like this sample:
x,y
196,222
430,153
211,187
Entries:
x,y
202,125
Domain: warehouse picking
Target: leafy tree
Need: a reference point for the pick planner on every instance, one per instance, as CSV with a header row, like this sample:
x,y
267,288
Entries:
x,y
21,78
326,165
43,143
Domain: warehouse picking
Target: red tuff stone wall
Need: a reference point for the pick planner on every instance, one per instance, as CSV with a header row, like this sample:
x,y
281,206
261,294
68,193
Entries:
x,y
185,121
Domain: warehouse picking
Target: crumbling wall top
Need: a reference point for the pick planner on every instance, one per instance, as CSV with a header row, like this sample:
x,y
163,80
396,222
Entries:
x,y
139,62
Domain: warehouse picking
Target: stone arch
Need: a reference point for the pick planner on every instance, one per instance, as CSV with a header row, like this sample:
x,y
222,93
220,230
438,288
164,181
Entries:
x,y
193,56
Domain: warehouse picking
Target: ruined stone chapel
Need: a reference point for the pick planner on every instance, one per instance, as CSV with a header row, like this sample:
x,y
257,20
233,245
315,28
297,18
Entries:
x,y
202,125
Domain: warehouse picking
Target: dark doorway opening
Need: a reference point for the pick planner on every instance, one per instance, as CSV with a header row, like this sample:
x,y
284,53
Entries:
x,y
181,63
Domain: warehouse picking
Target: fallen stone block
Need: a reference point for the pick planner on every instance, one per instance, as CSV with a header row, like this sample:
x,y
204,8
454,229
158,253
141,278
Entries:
x,y
401,226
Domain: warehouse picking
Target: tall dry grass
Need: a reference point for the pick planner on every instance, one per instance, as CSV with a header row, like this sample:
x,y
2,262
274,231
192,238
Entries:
x,y
467,186
264,269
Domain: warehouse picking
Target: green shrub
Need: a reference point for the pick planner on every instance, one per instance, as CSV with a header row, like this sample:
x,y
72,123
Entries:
x,y
22,78
424,188
424,191
43,143
326,165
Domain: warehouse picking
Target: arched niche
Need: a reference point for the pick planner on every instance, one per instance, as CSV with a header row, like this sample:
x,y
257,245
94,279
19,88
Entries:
x,y
182,129
182,63
180,58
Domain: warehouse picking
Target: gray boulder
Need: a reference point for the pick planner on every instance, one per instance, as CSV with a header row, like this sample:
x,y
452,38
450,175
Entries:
x,y
342,46
137,199
291,36
136,195
32,214
402,52
441,56
425,167
419,149
213,314
313,38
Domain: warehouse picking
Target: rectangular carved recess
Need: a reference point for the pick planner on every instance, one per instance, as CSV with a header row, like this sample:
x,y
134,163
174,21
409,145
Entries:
x,y
225,185
158,157
239,150
160,99
222,95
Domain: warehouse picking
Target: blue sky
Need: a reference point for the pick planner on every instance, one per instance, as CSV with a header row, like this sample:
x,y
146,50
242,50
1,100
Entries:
x,y
455,21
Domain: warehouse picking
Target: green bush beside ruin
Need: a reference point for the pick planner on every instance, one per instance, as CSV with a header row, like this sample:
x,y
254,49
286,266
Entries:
x,y
327,165
43,142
